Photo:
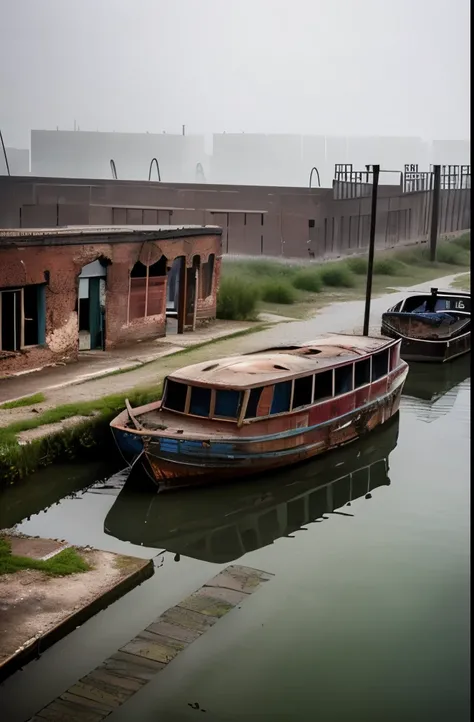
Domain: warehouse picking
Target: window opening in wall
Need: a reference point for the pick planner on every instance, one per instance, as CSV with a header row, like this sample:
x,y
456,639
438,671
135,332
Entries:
x,y
262,216
200,401
342,379
323,386
261,245
362,373
311,223
303,392
380,364
147,289
227,403
175,396
207,274
22,317
281,398
252,403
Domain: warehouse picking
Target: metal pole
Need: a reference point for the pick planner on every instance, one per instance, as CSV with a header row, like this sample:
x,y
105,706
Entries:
x,y
435,212
370,265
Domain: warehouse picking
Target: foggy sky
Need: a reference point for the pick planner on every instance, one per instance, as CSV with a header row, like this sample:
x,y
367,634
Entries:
x,y
335,67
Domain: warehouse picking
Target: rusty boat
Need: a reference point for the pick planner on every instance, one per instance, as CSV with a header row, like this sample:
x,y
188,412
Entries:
x,y
253,413
433,326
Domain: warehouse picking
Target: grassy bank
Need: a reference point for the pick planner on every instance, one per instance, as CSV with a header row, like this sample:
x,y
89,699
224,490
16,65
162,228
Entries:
x,y
297,289
66,562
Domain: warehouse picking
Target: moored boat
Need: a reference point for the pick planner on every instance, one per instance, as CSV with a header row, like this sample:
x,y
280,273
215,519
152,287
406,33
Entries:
x,y
248,414
433,326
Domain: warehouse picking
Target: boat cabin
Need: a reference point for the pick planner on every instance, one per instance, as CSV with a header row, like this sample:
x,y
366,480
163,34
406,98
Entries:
x,y
435,302
257,386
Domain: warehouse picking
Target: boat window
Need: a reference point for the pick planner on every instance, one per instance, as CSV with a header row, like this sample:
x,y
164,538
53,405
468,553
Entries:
x,y
252,403
227,403
379,365
323,385
362,373
281,398
343,379
175,396
303,392
200,401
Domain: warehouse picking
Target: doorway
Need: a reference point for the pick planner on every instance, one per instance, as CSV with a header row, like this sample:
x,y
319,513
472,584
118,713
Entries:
x,y
91,306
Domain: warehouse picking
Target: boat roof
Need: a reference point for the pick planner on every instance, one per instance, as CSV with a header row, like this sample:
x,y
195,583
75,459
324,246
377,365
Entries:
x,y
278,364
441,292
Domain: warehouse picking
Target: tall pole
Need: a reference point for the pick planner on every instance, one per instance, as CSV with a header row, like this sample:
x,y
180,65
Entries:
x,y
370,264
435,212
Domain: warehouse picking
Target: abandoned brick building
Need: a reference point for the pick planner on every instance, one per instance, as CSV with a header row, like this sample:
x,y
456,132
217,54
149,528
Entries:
x,y
68,289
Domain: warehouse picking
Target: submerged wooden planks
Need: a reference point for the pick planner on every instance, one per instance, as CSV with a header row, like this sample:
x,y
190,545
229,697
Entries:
x,y
116,680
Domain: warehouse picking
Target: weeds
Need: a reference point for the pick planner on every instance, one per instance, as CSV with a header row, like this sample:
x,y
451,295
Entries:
x,y
276,291
337,275
25,401
237,299
66,562
308,280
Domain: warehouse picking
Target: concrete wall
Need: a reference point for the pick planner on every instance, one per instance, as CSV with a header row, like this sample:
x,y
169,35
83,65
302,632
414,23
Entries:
x,y
256,220
84,154
18,161
59,267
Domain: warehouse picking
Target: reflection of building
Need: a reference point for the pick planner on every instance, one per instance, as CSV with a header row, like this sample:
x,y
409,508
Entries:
x,y
431,390
89,287
221,524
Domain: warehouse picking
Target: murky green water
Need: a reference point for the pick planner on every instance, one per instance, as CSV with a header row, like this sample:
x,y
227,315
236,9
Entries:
x,y
367,617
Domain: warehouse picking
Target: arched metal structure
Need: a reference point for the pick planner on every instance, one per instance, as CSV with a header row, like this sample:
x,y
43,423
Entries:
x,y
311,177
200,172
154,160
5,153
113,169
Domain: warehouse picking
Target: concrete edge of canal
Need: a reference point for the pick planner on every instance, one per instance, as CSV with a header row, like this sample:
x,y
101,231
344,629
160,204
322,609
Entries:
x,y
38,610
123,674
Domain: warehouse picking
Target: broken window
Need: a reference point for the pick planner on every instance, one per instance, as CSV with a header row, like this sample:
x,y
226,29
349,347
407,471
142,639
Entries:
x,y
200,401
207,274
362,373
175,396
323,386
303,392
227,403
281,398
22,317
379,364
253,401
147,289
343,379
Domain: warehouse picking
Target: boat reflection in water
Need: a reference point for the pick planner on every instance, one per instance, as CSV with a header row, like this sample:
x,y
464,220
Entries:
x,y
431,390
220,524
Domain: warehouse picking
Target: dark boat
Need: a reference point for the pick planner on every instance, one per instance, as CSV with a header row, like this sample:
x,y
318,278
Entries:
x,y
221,523
244,415
433,326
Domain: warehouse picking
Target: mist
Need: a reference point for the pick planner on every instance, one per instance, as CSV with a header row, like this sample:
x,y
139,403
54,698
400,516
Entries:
x,y
310,67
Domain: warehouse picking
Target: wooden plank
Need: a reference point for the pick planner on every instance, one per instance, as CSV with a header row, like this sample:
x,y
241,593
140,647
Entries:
x,y
126,665
152,646
118,678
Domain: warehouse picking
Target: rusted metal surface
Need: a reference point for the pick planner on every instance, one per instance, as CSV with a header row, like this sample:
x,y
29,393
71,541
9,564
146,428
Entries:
x,y
432,327
181,449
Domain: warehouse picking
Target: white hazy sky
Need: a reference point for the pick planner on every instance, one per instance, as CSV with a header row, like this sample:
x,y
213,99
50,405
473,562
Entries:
x,y
336,67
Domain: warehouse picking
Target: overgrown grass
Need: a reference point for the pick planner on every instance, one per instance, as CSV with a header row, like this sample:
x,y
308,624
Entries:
x,y
462,282
388,267
237,299
308,280
66,562
25,401
452,254
337,275
278,291
463,241
358,265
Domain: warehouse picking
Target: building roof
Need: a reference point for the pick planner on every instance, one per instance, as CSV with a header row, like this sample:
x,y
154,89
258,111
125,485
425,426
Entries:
x,y
280,364
68,235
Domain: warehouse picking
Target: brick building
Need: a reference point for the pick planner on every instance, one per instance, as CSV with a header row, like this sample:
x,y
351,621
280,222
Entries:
x,y
83,288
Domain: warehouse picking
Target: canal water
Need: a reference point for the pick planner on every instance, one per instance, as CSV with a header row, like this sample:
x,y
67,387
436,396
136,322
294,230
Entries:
x,y
367,617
